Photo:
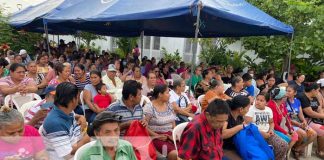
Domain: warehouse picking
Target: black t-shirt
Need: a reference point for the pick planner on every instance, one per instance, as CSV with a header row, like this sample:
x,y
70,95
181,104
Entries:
x,y
228,143
227,80
233,94
300,88
305,103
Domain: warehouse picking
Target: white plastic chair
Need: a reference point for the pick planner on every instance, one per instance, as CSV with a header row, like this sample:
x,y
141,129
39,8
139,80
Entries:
x,y
256,91
82,103
226,86
25,107
177,132
18,100
199,100
79,152
144,100
308,150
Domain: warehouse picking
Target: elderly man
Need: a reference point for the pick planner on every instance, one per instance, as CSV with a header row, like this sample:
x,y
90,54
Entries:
x,y
111,80
25,57
106,129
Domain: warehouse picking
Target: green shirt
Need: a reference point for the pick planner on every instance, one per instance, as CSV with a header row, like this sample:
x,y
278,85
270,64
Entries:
x,y
194,80
5,73
96,152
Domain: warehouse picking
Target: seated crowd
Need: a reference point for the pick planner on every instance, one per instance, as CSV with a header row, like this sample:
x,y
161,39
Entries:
x,y
89,99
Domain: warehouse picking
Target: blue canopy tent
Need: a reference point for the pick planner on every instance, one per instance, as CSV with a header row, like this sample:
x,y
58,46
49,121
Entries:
x,y
31,18
168,18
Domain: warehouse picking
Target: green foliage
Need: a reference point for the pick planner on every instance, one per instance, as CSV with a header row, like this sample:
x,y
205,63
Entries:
x,y
16,39
125,45
87,37
307,18
214,52
173,57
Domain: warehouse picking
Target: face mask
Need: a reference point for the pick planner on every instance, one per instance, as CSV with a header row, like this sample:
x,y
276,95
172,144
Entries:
x,y
47,105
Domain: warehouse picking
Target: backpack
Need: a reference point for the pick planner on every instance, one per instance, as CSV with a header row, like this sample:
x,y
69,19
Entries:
x,y
251,145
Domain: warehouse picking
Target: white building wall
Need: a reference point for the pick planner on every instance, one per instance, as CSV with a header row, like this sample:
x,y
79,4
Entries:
x,y
171,44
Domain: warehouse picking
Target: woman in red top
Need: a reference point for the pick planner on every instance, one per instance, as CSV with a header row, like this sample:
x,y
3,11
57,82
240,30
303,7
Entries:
x,y
282,123
102,99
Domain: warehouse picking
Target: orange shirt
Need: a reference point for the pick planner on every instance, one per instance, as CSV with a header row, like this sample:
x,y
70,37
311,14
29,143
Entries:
x,y
208,96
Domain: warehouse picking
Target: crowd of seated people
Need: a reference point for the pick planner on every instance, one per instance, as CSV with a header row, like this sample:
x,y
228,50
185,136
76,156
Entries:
x,y
88,98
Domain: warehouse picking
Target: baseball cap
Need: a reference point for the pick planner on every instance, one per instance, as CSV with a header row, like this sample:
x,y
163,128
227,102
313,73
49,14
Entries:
x,y
22,51
281,94
101,118
112,68
321,82
50,89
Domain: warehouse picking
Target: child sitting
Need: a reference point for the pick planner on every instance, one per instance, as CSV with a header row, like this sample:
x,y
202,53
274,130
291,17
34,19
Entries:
x,y
102,99
262,116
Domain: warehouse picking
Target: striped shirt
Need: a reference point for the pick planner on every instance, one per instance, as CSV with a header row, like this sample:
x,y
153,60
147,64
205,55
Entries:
x,y
80,84
60,132
127,114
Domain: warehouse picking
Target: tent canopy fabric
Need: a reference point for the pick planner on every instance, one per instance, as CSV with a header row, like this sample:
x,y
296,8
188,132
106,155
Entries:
x,y
168,18
31,18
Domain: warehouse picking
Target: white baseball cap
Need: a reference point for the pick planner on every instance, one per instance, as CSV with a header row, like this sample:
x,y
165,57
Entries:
x,y
321,82
22,51
112,68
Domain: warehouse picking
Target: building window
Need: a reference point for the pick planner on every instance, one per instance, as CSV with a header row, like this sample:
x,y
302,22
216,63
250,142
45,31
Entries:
x,y
156,45
147,42
187,46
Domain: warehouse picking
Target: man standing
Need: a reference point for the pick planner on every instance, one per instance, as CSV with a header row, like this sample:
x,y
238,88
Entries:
x,y
201,139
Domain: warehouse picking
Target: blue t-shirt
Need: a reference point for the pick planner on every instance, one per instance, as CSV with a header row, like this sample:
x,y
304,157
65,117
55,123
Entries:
x,y
293,106
250,90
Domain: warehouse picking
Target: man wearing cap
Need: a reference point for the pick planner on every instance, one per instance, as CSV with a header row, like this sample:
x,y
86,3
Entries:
x,y
38,109
25,57
108,145
111,80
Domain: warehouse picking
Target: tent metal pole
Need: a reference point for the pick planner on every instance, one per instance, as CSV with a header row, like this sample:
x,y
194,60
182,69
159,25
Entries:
x,y
290,50
142,44
194,49
47,40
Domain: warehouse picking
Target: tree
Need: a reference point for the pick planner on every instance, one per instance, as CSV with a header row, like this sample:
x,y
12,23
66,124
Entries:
x,y
125,45
307,18
215,52
16,39
87,37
